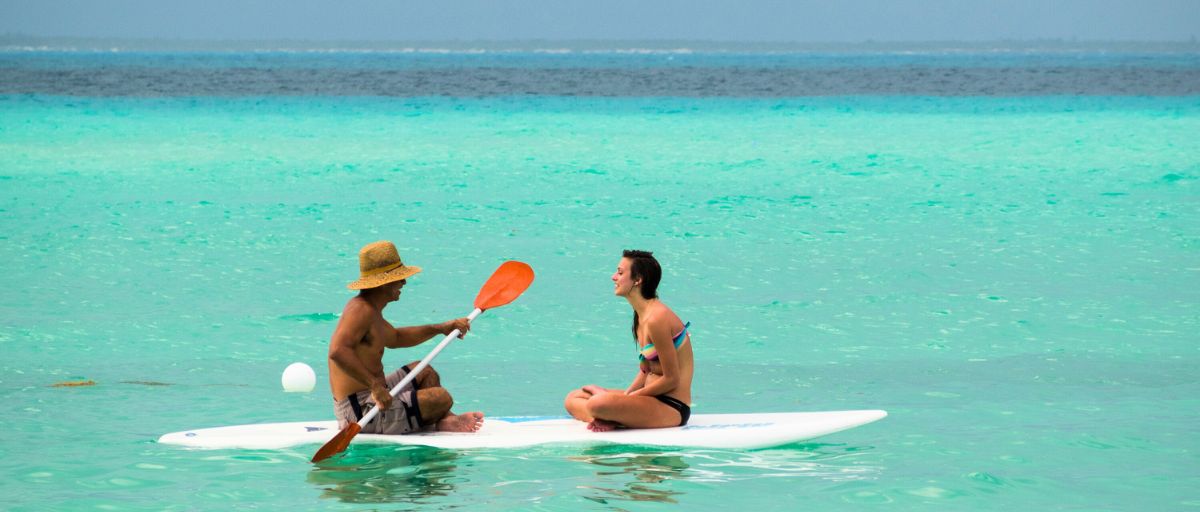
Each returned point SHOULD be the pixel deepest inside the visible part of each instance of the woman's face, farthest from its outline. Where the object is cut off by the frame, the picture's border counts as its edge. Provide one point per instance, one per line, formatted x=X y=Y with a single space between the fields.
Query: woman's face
x=622 y=279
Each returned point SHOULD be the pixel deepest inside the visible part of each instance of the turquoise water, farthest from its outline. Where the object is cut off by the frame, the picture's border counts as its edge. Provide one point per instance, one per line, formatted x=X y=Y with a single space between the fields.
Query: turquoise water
x=1016 y=280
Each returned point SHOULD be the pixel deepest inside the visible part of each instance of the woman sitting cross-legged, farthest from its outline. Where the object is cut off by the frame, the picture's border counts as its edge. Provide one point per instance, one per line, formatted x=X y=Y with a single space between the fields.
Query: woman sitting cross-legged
x=661 y=391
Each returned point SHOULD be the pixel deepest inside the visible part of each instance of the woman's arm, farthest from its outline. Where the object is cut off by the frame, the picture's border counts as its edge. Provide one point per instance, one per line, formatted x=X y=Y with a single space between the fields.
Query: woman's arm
x=639 y=381
x=668 y=359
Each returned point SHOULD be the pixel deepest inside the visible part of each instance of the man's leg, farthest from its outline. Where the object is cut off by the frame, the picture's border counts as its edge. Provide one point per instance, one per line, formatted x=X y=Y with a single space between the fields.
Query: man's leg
x=435 y=402
x=428 y=378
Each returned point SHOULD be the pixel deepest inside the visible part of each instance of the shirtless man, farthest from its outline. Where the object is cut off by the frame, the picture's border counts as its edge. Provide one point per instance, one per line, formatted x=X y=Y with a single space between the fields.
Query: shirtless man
x=356 y=375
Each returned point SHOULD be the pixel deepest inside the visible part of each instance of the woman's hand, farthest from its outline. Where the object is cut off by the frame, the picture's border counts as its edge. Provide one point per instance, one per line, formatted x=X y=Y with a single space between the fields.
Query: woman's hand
x=594 y=389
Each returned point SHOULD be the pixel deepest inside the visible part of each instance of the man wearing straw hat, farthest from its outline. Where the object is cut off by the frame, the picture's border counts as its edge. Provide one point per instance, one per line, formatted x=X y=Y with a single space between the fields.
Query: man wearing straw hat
x=356 y=356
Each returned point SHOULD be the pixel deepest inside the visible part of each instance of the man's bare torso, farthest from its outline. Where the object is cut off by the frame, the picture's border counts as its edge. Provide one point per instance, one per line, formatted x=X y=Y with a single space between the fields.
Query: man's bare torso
x=369 y=349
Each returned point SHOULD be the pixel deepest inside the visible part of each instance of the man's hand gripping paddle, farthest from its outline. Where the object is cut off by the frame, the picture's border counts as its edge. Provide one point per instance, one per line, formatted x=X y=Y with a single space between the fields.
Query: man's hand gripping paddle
x=506 y=284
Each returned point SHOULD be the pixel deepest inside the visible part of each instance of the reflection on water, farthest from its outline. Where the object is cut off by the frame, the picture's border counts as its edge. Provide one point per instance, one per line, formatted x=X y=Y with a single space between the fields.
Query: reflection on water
x=386 y=474
x=420 y=477
x=829 y=462
x=629 y=474
x=647 y=474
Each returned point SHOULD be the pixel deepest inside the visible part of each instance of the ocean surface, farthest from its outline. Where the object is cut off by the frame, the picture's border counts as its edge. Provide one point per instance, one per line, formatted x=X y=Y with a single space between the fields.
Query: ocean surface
x=1000 y=248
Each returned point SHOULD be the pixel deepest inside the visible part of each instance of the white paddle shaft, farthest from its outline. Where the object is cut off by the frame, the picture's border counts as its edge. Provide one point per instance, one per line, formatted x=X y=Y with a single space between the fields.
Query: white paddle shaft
x=420 y=366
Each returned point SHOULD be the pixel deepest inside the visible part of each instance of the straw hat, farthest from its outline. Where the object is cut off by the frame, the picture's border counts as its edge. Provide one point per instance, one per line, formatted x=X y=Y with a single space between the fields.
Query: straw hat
x=379 y=264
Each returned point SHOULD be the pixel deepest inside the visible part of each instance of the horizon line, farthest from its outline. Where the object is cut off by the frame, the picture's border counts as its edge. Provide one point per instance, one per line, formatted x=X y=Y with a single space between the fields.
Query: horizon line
x=1056 y=40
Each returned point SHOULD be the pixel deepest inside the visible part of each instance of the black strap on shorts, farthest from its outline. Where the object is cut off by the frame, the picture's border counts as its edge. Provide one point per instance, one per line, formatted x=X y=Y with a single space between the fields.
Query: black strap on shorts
x=358 y=410
x=413 y=411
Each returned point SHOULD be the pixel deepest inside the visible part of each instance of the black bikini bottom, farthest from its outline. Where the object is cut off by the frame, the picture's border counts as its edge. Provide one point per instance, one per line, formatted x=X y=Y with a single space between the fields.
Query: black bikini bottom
x=685 y=411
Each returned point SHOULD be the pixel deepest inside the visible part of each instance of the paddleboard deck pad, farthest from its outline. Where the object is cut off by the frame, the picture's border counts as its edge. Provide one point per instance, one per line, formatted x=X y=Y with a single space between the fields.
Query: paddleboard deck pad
x=736 y=431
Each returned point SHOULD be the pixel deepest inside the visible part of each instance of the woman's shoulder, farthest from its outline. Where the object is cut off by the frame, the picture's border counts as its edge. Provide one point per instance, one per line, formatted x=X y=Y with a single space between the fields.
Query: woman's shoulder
x=661 y=314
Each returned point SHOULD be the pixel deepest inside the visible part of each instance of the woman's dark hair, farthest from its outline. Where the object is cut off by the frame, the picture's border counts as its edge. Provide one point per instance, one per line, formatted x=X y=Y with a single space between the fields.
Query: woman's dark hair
x=642 y=265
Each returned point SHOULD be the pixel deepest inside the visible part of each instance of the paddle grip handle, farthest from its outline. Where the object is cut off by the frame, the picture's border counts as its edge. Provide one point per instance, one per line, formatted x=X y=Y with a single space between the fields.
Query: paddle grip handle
x=420 y=367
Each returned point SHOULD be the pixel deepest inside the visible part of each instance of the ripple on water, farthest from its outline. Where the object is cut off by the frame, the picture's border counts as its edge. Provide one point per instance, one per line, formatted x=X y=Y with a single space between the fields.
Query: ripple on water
x=261 y=456
x=829 y=462
x=934 y=492
x=866 y=498
x=402 y=471
x=121 y=483
x=987 y=478
x=1096 y=445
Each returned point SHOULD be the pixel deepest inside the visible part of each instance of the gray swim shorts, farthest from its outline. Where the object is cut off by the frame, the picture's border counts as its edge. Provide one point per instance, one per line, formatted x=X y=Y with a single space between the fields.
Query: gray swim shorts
x=402 y=417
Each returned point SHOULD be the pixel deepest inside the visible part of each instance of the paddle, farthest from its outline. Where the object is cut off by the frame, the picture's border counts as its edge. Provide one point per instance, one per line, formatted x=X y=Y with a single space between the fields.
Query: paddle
x=506 y=284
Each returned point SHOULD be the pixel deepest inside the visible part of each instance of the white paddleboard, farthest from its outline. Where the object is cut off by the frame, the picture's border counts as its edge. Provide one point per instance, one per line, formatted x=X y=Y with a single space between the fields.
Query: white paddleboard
x=739 y=431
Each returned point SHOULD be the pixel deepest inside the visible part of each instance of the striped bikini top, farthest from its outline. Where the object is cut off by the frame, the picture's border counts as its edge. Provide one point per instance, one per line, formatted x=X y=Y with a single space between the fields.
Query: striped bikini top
x=648 y=353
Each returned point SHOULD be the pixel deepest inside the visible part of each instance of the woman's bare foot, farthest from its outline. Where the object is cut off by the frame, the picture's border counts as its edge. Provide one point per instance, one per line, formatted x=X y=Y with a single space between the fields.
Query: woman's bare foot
x=599 y=425
x=465 y=422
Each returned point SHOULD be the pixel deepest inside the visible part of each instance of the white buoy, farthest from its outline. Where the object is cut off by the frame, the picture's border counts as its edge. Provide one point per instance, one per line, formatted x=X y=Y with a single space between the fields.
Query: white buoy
x=299 y=378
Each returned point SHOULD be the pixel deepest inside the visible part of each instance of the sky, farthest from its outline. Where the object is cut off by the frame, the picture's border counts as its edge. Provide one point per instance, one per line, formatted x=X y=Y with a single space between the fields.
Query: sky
x=695 y=20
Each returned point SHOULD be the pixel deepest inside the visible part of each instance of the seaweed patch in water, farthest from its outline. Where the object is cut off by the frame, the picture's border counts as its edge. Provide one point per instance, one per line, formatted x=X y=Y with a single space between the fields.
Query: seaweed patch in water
x=73 y=384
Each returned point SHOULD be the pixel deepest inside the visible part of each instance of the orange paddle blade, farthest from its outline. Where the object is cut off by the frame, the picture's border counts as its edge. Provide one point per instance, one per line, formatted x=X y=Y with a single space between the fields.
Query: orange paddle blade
x=506 y=284
x=338 y=444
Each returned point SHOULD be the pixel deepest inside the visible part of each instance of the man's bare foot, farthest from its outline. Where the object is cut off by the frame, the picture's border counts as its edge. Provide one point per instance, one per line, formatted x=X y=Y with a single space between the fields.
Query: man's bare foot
x=465 y=422
x=599 y=425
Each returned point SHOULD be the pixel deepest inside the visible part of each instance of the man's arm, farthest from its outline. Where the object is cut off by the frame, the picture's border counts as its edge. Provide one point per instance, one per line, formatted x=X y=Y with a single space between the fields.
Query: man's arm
x=351 y=329
x=418 y=334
